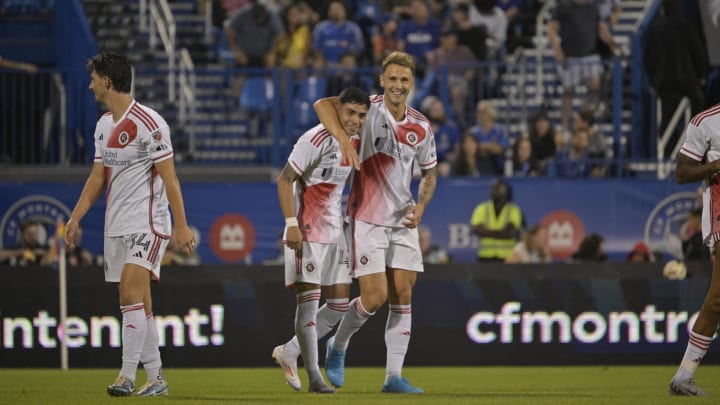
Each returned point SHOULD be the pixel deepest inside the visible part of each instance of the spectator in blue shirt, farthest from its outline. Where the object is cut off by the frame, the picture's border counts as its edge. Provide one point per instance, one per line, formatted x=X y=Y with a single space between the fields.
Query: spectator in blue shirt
x=492 y=139
x=447 y=134
x=419 y=35
x=336 y=35
x=573 y=162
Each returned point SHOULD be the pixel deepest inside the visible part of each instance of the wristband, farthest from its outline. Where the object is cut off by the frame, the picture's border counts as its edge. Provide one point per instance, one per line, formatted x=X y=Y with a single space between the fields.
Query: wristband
x=290 y=222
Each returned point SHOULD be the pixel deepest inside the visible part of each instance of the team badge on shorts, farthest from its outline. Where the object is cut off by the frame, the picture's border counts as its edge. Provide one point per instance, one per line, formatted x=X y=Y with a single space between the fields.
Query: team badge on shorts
x=364 y=260
x=310 y=267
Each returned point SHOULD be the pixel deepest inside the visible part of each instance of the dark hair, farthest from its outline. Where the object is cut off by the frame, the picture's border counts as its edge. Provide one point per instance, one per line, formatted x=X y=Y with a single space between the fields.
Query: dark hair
x=113 y=66
x=587 y=116
x=354 y=95
x=589 y=249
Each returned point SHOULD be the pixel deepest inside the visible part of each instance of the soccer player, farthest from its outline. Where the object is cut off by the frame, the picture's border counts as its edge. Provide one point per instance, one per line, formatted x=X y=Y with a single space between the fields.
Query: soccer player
x=699 y=159
x=386 y=251
x=316 y=251
x=133 y=161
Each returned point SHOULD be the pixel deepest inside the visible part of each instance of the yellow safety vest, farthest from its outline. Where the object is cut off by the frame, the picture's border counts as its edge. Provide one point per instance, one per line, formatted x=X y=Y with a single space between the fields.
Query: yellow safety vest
x=484 y=213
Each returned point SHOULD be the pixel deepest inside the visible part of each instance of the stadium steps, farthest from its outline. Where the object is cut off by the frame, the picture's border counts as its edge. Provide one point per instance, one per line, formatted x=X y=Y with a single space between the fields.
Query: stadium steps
x=548 y=94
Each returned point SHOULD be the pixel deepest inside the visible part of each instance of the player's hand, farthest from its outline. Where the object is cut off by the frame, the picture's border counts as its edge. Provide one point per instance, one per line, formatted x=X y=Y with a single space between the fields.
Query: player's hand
x=350 y=155
x=413 y=216
x=185 y=238
x=293 y=238
x=71 y=233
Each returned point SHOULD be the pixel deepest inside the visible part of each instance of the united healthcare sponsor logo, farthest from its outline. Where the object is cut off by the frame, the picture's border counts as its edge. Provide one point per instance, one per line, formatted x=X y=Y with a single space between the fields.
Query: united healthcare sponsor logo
x=39 y=208
x=662 y=228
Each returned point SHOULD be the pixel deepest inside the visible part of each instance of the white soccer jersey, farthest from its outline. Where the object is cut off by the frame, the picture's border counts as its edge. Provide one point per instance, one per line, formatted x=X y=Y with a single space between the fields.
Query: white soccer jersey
x=316 y=157
x=380 y=192
x=702 y=143
x=135 y=194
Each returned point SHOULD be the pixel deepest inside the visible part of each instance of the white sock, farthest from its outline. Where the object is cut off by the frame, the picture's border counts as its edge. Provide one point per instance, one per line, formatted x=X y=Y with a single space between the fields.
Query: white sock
x=397 y=338
x=305 y=321
x=327 y=317
x=150 y=356
x=697 y=347
x=350 y=323
x=133 y=336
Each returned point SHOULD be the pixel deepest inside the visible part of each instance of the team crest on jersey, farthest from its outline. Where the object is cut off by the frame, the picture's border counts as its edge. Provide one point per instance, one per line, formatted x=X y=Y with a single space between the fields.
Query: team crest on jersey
x=156 y=135
x=124 y=138
x=310 y=267
x=412 y=138
x=41 y=209
x=662 y=226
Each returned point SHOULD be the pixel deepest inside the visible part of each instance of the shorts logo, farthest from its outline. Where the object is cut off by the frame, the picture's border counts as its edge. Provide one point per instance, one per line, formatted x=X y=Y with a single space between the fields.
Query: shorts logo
x=42 y=209
x=310 y=267
x=662 y=226
x=364 y=260
x=124 y=138
x=412 y=138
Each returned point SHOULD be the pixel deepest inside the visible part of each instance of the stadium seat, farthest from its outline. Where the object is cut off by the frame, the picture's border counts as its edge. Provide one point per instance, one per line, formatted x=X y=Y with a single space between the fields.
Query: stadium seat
x=257 y=95
x=312 y=89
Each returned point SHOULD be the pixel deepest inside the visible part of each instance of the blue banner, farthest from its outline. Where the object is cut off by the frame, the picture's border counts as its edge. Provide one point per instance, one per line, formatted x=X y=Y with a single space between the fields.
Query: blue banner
x=242 y=223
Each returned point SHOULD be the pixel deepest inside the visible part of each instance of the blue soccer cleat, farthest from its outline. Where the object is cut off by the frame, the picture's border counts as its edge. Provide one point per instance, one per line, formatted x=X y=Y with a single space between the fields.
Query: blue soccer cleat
x=335 y=364
x=399 y=385
x=153 y=389
x=122 y=387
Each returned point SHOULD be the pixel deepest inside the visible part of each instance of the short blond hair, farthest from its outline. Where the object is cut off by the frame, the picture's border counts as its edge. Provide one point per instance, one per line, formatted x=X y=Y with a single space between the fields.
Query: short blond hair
x=399 y=58
x=489 y=106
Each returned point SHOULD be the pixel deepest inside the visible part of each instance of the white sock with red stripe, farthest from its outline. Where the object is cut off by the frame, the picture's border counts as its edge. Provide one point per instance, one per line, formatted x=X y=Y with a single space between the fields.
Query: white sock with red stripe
x=133 y=336
x=150 y=356
x=397 y=338
x=697 y=347
x=351 y=322
x=305 y=322
x=327 y=317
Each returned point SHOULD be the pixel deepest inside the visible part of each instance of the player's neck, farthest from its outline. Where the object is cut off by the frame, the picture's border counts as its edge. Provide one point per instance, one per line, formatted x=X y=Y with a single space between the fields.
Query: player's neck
x=396 y=110
x=117 y=104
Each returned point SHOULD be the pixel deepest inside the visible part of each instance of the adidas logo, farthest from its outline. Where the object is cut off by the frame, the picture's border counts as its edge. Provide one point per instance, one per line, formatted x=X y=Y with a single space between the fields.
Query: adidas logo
x=138 y=254
x=101 y=137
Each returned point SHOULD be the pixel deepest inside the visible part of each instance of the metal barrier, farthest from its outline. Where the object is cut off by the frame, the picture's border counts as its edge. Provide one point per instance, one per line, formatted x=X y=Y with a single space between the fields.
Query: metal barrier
x=162 y=23
x=33 y=128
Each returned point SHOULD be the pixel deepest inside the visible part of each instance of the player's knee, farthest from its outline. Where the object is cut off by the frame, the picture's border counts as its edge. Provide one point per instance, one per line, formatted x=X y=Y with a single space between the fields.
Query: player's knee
x=373 y=301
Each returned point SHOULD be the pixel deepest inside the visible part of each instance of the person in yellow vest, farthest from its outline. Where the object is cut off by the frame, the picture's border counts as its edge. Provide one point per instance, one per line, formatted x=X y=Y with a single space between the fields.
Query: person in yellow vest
x=497 y=222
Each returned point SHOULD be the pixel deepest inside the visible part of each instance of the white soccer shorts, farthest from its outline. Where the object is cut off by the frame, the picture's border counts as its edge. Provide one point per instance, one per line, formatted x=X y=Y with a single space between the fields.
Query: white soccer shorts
x=144 y=249
x=324 y=264
x=377 y=247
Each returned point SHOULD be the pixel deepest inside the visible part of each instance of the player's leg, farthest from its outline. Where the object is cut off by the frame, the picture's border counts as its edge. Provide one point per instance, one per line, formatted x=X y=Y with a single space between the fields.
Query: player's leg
x=156 y=384
x=406 y=260
x=308 y=297
x=701 y=337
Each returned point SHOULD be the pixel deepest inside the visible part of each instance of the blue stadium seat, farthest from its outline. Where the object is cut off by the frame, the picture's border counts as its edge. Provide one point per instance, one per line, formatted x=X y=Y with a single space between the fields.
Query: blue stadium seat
x=312 y=89
x=257 y=95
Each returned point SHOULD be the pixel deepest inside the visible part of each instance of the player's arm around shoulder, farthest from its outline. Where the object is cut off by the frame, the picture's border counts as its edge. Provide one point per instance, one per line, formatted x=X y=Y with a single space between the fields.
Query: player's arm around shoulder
x=326 y=109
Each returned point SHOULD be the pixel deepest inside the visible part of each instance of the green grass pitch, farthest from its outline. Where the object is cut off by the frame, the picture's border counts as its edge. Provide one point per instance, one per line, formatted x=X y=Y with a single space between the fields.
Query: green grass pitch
x=442 y=385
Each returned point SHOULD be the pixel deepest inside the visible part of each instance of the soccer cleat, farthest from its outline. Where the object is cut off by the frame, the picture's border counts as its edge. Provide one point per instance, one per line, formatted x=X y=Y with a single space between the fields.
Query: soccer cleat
x=122 y=387
x=289 y=367
x=685 y=387
x=399 y=385
x=320 y=387
x=335 y=364
x=153 y=389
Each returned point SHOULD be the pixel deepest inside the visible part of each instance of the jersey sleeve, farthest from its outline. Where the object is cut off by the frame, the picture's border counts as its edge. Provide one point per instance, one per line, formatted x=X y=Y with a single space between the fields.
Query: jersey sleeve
x=98 y=145
x=696 y=142
x=158 y=144
x=427 y=153
x=303 y=155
